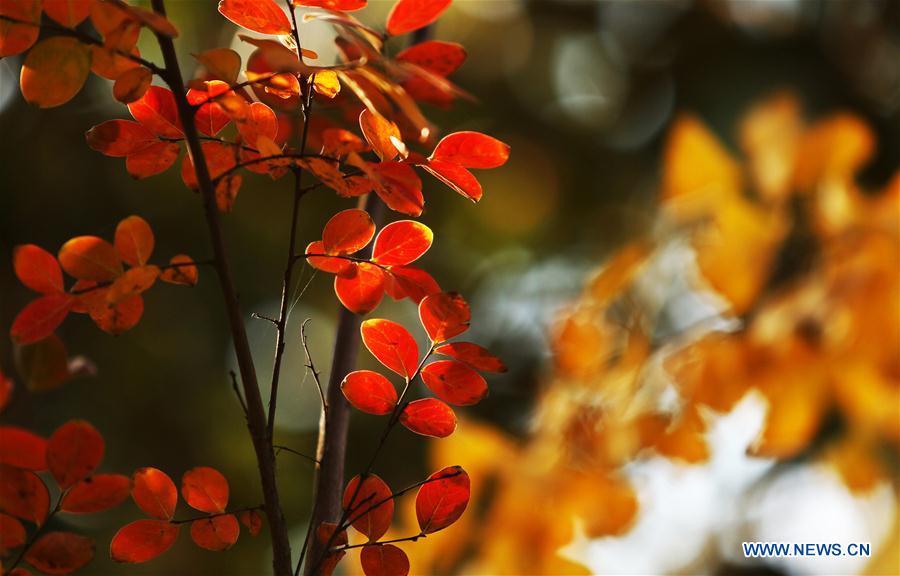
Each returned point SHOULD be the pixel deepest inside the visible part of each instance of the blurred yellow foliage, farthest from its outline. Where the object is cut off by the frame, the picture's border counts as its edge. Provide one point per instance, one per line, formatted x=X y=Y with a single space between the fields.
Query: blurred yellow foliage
x=816 y=333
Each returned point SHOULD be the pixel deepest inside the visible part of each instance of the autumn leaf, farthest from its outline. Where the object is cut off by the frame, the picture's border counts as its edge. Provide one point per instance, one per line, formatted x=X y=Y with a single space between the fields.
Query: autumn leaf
x=205 y=489
x=369 y=392
x=90 y=258
x=40 y=318
x=17 y=38
x=252 y=520
x=444 y=316
x=471 y=150
x=23 y=494
x=392 y=345
x=369 y=505
x=120 y=138
x=429 y=417
x=132 y=84
x=54 y=71
x=180 y=271
x=60 y=552
x=12 y=534
x=382 y=135
x=37 y=269
x=409 y=15
x=157 y=112
x=347 y=232
x=134 y=241
x=22 y=448
x=472 y=354
x=74 y=451
x=263 y=16
x=410 y=282
x=325 y=534
x=216 y=533
x=454 y=382
x=221 y=63
x=43 y=365
x=96 y=494
x=384 y=560
x=142 y=540
x=401 y=243
x=154 y=493
x=443 y=499
x=361 y=289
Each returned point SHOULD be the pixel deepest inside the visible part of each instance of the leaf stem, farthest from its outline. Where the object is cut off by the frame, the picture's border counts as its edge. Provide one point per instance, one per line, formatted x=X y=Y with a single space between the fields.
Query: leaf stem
x=217 y=514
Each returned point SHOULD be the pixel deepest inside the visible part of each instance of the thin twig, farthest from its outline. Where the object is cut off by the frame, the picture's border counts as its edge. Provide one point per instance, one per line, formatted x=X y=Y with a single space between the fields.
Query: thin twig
x=261 y=159
x=379 y=543
x=312 y=367
x=237 y=392
x=395 y=495
x=281 y=448
x=106 y=283
x=217 y=514
x=37 y=532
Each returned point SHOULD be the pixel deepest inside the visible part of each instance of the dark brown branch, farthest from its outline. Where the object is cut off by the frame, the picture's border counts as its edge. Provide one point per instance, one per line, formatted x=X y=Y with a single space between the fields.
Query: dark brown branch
x=256 y=416
x=85 y=39
x=395 y=495
x=237 y=392
x=34 y=535
x=312 y=367
x=217 y=514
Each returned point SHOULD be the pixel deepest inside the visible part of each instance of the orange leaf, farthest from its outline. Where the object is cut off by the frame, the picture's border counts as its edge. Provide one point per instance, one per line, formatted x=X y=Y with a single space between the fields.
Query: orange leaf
x=152 y=160
x=401 y=243
x=217 y=533
x=120 y=316
x=324 y=263
x=54 y=71
x=252 y=520
x=398 y=185
x=444 y=315
x=12 y=534
x=119 y=137
x=131 y=85
x=37 y=269
x=157 y=112
x=339 y=5
x=134 y=281
x=369 y=506
x=143 y=540
x=472 y=354
x=347 y=232
x=23 y=494
x=385 y=560
x=205 y=489
x=441 y=58
x=60 y=552
x=210 y=117
x=22 y=448
x=134 y=240
x=382 y=134
x=263 y=16
x=180 y=271
x=471 y=150
x=219 y=159
x=392 y=345
x=96 y=494
x=459 y=179
x=410 y=282
x=409 y=15
x=154 y=493
x=429 y=417
x=67 y=12
x=73 y=451
x=441 y=502
x=454 y=382
x=16 y=38
x=90 y=258
x=361 y=290
x=369 y=392
x=40 y=318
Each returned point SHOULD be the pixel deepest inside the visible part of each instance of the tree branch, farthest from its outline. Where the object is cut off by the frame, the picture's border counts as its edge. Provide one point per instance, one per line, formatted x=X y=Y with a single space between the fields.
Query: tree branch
x=217 y=514
x=256 y=417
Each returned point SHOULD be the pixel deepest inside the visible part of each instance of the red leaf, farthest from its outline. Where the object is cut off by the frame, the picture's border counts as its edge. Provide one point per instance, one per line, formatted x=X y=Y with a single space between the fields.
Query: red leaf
x=184 y=275
x=60 y=552
x=398 y=185
x=37 y=269
x=205 y=489
x=429 y=417
x=441 y=502
x=392 y=345
x=474 y=355
x=372 y=508
x=119 y=138
x=143 y=540
x=252 y=520
x=152 y=160
x=339 y=5
x=90 y=258
x=409 y=15
x=324 y=263
x=73 y=452
x=44 y=365
x=69 y=13
x=454 y=382
x=382 y=134
x=134 y=240
x=325 y=533
x=384 y=560
x=210 y=117
x=441 y=58
x=154 y=493
x=410 y=282
x=456 y=177
x=22 y=448
x=217 y=533
x=347 y=232
x=12 y=534
x=361 y=289
x=219 y=159
x=157 y=112
x=444 y=315
x=16 y=38
x=23 y=494
x=6 y=390
x=40 y=318
x=471 y=150
x=401 y=243
x=263 y=16
x=369 y=392
x=96 y=494
x=119 y=317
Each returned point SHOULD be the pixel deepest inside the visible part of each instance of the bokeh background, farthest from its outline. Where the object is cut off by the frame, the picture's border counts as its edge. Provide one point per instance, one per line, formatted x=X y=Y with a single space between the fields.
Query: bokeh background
x=585 y=93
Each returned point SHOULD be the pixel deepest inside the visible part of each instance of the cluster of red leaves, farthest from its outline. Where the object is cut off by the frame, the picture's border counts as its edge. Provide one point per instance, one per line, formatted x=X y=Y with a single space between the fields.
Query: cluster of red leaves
x=368 y=505
x=204 y=489
x=70 y=456
x=104 y=288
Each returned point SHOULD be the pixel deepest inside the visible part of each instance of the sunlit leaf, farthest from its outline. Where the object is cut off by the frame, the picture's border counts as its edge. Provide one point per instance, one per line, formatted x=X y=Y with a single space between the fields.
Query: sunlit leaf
x=429 y=417
x=120 y=138
x=210 y=117
x=409 y=15
x=326 y=83
x=216 y=533
x=263 y=16
x=441 y=501
x=444 y=315
x=456 y=177
x=369 y=392
x=441 y=58
x=370 y=505
x=221 y=63
x=325 y=534
x=382 y=134
x=154 y=493
x=37 y=269
x=96 y=494
x=471 y=150
x=121 y=316
x=360 y=290
x=22 y=448
x=410 y=282
x=90 y=258
x=347 y=232
x=454 y=382
x=401 y=243
x=325 y=263
x=134 y=240
x=385 y=560
x=181 y=271
x=205 y=489
x=392 y=345
x=472 y=354
x=157 y=112
x=341 y=5
x=143 y=540
x=60 y=552
x=54 y=71
x=23 y=494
